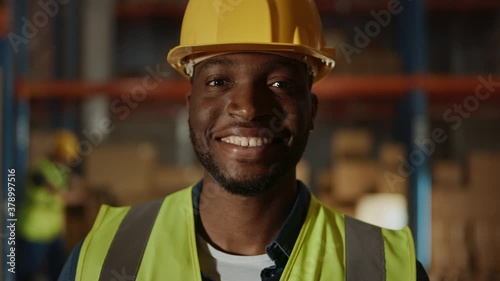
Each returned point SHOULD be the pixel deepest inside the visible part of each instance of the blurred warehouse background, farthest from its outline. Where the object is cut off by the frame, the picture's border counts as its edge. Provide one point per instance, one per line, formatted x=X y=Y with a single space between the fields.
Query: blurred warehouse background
x=408 y=129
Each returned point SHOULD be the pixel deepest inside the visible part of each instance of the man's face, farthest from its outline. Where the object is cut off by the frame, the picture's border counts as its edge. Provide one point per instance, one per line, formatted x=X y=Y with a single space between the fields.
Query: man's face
x=249 y=117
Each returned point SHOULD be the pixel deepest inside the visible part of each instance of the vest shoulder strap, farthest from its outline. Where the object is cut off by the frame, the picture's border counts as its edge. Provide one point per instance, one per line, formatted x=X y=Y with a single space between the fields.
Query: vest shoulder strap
x=132 y=234
x=365 y=257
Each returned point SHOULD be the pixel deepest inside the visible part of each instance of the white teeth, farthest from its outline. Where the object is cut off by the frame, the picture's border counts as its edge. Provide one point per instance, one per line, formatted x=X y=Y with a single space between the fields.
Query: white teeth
x=259 y=142
x=245 y=141
x=252 y=142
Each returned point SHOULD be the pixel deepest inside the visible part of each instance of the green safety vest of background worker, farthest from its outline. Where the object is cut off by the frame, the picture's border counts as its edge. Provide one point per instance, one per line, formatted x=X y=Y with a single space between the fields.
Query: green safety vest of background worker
x=249 y=218
x=41 y=220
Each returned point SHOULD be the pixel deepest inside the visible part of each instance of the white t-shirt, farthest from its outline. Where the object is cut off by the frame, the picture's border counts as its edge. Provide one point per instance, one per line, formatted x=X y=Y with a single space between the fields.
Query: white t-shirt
x=226 y=267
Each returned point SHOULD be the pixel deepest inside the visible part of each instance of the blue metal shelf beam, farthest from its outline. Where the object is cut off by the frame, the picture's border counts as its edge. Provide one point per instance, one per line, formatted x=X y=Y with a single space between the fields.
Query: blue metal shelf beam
x=414 y=130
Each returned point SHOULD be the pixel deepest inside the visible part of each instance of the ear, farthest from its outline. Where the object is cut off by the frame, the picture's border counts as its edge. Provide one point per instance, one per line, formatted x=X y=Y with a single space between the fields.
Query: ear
x=188 y=99
x=314 y=109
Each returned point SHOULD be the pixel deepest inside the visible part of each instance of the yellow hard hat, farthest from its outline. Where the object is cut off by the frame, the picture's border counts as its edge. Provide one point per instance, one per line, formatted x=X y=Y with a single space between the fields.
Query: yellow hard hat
x=66 y=145
x=276 y=26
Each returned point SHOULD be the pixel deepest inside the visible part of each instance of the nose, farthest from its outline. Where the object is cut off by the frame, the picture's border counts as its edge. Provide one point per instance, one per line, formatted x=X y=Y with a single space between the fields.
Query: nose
x=250 y=101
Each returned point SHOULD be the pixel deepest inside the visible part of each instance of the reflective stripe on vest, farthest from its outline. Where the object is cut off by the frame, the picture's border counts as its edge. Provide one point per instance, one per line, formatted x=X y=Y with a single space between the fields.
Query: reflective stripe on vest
x=331 y=246
x=364 y=250
x=132 y=234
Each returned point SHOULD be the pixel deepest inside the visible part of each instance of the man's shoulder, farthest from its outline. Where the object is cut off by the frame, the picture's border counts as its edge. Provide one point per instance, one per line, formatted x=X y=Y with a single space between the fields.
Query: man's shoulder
x=182 y=193
x=329 y=215
x=333 y=215
x=119 y=212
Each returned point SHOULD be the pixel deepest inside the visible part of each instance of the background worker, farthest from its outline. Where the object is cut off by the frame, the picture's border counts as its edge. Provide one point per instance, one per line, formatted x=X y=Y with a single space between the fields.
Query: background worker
x=250 y=114
x=41 y=219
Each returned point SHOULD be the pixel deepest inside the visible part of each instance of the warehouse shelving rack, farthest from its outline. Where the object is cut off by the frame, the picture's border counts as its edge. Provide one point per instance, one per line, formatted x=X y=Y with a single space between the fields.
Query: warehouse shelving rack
x=415 y=88
x=332 y=88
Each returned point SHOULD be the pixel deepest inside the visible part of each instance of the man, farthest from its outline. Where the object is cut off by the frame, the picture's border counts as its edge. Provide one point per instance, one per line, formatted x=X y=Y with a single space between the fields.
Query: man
x=251 y=109
x=42 y=212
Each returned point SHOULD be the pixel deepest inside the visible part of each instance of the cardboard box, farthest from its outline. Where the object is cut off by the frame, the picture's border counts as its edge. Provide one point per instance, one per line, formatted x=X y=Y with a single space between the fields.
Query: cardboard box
x=352 y=178
x=484 y=173
x=487 y=244
x=441 y=251
x=390 y=155
x=447 y=174
x=460 y=258
x=351 y=143
x=484 y=177
x=126 y=169
x=484 y=206
x=451 y=250
x=451 y=204
x=391 y=181
x=169 y=179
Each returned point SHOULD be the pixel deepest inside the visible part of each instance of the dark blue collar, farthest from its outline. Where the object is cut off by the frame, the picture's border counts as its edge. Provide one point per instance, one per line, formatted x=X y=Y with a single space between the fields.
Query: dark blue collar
x=281 y=247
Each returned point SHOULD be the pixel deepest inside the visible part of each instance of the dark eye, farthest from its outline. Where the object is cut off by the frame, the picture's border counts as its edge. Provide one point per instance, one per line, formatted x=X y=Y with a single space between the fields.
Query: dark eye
x=217 y=83
x=283 y=84
x=280 y=84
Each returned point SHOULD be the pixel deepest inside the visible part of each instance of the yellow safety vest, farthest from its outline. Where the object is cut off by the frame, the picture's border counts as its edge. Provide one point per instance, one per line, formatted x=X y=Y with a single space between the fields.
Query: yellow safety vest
x=330 y=246
x=41 y=215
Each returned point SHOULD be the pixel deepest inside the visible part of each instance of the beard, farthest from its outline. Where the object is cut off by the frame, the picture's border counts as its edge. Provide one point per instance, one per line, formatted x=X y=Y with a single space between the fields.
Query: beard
x=248 y=185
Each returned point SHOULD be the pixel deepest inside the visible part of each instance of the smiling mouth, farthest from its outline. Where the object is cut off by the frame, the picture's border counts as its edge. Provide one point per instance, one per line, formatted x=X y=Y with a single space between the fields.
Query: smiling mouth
x=250 y=141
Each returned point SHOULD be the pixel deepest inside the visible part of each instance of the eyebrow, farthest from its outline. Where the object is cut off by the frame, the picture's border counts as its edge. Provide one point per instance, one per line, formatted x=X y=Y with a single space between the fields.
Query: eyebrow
x=216 y=62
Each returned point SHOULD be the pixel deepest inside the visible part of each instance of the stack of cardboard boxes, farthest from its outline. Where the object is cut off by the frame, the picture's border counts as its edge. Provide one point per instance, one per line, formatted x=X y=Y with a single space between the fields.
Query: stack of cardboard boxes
x=450 y=218
x=352 y=173
x=465 y=213
x=169 y=179
x=355 y=173
x=353 y=59
x=125 y=170
x=392 y=176
x=484 y=179
x=465 y=226
x=132 y=175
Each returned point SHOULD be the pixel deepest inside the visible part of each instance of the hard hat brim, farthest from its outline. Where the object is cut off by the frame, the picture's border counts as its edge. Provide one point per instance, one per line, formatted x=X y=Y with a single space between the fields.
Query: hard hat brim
x=179 y=56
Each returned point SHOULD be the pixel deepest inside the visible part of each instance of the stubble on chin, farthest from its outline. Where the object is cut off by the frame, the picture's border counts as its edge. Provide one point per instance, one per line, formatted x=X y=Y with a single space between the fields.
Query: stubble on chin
x=241 y=185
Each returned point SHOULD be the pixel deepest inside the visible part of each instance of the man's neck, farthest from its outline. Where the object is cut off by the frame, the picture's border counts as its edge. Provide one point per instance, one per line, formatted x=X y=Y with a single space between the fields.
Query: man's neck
x=244 y=225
